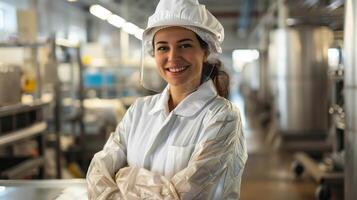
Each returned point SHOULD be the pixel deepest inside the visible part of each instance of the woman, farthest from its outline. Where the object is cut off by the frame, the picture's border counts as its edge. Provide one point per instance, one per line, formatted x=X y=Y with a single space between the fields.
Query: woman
x=186 y=142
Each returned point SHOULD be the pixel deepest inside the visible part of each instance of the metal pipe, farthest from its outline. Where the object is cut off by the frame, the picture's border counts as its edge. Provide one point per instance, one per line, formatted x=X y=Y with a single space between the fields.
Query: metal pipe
x=264 y=20
x=350 y=46
x=81 y=97
x=282 y=14
x=244 y=17
x=36 y=65
x=57 y=110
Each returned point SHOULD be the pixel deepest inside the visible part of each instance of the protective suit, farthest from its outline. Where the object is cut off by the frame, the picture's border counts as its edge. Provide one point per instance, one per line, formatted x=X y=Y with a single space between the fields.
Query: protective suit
x=196 y=151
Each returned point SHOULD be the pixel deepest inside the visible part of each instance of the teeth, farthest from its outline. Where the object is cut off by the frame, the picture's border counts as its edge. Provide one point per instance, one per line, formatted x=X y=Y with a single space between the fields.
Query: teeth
x=176 y=69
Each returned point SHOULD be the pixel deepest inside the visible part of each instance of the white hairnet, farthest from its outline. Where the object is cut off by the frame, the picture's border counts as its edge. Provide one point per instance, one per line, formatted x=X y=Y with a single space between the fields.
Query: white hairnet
x=188 y=14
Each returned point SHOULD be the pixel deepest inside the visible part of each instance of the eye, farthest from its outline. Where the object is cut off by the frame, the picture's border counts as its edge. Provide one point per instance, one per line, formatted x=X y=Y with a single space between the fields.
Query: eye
x=184 y=46
x=162 y=48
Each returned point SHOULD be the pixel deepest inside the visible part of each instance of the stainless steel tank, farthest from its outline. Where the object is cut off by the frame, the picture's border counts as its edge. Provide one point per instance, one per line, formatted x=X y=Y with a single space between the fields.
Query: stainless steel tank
x=350 y=87
x=10 y=84
x=298 y=71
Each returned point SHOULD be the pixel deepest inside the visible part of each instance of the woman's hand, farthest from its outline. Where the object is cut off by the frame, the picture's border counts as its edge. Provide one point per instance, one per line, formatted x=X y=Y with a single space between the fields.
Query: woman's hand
x=139 y=183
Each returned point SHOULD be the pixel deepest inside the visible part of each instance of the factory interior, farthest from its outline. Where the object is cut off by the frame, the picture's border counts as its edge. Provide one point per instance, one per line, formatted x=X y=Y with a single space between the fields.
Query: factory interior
x=69 y=70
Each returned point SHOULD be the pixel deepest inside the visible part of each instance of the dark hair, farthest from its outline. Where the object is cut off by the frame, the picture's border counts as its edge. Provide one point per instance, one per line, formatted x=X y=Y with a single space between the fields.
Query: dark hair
x=214 y=69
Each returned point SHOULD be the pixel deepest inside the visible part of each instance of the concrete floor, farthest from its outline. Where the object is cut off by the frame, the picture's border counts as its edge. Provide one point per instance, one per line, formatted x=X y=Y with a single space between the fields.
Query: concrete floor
x=268 y=173
x=268 y=176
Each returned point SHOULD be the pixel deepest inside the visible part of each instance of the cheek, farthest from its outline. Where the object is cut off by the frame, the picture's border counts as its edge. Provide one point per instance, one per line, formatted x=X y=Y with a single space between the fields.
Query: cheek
x=158 y=61
x=195 y=56
x=196 y=60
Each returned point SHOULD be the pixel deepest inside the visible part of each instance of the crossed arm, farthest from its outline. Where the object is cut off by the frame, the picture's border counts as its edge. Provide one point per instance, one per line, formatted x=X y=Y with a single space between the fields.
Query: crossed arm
x=215 y=160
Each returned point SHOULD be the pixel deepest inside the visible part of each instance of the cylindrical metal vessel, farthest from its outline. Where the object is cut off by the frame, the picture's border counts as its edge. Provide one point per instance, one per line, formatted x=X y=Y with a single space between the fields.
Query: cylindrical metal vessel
x=350 y=86
x=298 y=71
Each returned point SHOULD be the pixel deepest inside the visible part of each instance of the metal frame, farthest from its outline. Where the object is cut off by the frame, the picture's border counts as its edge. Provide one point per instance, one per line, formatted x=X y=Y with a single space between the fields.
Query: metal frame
x=37 y=131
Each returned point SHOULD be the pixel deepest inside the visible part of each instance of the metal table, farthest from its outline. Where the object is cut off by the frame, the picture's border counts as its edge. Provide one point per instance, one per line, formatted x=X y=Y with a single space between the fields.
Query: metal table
x=60 y=189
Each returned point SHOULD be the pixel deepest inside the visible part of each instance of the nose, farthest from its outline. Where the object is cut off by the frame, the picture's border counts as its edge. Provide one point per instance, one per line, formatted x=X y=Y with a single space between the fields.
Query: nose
x=173 y=54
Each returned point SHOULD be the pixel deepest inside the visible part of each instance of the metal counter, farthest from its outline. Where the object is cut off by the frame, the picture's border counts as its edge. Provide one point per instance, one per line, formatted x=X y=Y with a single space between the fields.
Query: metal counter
x=60 y=189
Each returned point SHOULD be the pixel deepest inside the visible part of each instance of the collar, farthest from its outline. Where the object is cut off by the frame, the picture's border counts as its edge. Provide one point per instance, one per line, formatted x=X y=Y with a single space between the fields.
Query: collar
x=192 y=104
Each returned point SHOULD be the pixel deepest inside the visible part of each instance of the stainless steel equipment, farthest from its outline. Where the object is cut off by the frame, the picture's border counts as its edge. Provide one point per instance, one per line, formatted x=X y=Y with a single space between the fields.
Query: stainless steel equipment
x=43 y=189
x=298 y=71
x=10 y=84
x=350 y=99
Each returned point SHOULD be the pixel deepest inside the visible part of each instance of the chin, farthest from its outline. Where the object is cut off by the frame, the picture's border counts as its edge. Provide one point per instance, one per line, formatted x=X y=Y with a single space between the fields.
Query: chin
x=183 y=84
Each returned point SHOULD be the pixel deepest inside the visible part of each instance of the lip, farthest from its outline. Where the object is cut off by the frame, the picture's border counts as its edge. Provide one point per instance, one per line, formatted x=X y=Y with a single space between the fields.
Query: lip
x=177 y=70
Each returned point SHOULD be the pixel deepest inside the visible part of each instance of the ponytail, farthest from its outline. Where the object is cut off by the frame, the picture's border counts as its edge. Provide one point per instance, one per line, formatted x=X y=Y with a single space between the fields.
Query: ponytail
x=220 y=78
x=213 y=69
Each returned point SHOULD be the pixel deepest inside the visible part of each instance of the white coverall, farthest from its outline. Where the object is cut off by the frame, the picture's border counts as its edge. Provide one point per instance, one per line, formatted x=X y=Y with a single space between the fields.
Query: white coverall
x=197 y=151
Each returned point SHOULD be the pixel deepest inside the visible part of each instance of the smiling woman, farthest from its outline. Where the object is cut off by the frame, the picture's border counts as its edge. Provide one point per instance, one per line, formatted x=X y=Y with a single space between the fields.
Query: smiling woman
x=179 y=59
x=187 y=141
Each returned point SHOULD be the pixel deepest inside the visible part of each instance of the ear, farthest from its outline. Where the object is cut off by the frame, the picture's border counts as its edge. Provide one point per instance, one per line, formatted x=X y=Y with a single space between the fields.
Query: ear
x=205 y=56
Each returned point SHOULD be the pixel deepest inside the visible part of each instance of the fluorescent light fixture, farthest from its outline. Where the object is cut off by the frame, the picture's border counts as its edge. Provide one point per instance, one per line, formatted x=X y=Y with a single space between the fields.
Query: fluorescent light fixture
x=116 y=21
x=246 y=55
x=71 y=0
x=100 y=12
x=139 y=34
x=242 y=57
x=130 y=28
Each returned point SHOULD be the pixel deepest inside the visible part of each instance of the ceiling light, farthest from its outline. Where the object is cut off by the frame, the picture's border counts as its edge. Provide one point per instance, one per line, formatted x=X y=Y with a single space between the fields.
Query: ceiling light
x=116 y=21
x=139 y=34
x=100 y=12
x=130 y=28
x=246 y=55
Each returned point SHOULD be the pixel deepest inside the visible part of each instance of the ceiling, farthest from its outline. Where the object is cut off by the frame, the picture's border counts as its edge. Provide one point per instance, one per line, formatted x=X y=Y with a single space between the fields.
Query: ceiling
x=239 y=17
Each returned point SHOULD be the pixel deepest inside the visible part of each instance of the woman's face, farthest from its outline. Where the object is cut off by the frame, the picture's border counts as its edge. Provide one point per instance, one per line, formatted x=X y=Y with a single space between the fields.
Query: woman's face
x=179 y=57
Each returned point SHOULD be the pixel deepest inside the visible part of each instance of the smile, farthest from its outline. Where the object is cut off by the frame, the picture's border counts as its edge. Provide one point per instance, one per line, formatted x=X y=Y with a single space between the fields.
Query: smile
x=177 y=69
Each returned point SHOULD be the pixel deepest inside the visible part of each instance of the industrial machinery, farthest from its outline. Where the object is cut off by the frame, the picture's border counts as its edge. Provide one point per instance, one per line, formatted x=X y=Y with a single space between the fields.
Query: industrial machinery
x=22 y=123
x=298 y=60
x=328 y=172
x=298 y=73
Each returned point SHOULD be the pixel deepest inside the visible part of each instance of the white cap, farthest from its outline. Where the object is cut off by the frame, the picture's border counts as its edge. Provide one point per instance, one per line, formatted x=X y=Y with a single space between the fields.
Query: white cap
x=188 y=14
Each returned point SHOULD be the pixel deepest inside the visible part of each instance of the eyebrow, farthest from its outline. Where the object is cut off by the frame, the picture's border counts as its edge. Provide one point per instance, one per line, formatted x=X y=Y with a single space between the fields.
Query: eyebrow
x=182 y=40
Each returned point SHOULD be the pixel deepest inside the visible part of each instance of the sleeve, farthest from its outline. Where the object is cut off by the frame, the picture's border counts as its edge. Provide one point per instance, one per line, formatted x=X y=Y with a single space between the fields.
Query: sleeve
x=213 y=172
x=101 y=172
